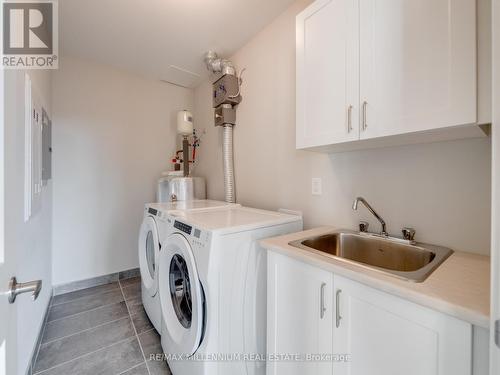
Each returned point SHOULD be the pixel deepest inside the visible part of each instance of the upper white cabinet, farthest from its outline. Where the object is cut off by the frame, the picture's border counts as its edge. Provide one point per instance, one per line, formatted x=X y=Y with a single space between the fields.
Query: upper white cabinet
x=382 y=72
x=386 y=335
x=328 y=73
x=418 y=65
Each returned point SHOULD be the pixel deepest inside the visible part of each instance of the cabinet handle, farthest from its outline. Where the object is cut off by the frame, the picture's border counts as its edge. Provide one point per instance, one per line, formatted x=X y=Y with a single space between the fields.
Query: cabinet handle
x=337 y=308
x=349 y=119
x=365 y=125
x=322 y=307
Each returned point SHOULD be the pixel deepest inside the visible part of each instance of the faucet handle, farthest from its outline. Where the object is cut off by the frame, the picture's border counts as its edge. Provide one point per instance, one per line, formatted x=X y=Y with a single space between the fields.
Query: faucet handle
x=363 y=226
x=408 y=233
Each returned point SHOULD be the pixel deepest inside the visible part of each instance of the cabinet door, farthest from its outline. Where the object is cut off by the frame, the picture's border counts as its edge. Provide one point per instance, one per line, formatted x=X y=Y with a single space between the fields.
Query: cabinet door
x=417 y=65
x=299 y=317
x=386 y=335
x=327 y=73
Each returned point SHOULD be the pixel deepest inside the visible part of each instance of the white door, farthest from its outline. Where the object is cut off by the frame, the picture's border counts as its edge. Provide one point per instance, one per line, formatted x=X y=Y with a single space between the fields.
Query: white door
x=417 y=65
x=299 y=317
x=495 y=253
x=8 y=323
x=495 y=225
x=385 y=335
x=327 y=73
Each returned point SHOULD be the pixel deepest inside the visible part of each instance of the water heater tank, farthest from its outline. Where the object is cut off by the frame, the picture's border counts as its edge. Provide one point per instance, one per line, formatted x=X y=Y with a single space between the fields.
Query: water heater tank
x=175 y=187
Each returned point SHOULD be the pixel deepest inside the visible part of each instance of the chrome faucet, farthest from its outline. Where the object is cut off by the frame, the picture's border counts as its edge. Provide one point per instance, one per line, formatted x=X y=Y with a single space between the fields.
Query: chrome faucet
x=373 y=212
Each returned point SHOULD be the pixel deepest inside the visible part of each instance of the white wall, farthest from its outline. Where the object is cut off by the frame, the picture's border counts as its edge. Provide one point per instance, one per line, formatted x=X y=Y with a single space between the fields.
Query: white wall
x=113 y=134
x=30 y=241
x=440 y=189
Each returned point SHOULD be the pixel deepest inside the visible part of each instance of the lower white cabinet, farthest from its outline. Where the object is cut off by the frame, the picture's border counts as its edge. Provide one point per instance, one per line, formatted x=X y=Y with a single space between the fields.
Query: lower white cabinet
x=299 y=315
x=313 y=312
x=387 y=335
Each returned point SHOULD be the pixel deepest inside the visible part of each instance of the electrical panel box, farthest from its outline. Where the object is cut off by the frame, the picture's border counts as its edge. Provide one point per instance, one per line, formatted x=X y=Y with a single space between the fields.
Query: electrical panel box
x=46 y=147
x=226 y=90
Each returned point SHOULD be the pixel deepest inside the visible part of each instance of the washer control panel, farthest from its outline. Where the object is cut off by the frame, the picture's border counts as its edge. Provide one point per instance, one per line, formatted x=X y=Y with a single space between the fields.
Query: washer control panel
x=198 y=237
x=154 y=212
x=183 y=227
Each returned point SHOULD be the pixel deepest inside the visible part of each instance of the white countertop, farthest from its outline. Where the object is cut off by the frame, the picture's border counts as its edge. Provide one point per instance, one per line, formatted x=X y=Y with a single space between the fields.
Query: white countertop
x=459 y=287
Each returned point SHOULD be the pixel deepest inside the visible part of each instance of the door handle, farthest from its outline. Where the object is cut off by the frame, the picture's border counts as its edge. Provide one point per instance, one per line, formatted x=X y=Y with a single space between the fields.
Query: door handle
x=365 y=125
x=349 y=119
x=322 y=308
x=16 y=288
x=337 y=308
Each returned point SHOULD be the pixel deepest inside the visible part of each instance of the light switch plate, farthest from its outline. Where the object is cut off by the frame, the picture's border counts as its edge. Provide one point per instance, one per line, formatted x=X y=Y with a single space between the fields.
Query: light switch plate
x=316 y=186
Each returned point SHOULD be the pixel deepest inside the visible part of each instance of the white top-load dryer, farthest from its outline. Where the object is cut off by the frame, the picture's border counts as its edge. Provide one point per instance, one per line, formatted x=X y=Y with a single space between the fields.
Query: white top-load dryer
x=212 y=286
x=154 y=230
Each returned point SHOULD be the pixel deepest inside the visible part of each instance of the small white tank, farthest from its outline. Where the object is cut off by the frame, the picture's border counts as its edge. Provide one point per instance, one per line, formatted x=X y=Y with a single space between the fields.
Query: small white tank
x=184 y=123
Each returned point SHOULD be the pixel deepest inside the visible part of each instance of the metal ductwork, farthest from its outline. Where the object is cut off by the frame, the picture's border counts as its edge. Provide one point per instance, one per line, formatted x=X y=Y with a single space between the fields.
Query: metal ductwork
x=226 y=96
x=216 y=65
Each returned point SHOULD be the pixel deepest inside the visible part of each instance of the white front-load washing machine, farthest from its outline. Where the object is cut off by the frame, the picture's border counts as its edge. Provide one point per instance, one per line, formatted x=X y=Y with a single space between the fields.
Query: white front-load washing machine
x=212 y=287
x=154 y=230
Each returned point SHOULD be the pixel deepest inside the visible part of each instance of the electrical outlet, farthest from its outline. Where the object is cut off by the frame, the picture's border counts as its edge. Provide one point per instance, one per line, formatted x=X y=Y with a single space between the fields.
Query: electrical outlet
x=316 y=186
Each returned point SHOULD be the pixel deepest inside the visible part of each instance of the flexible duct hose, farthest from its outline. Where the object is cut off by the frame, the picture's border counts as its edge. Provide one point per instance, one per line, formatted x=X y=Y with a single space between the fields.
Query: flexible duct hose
x=227 y=155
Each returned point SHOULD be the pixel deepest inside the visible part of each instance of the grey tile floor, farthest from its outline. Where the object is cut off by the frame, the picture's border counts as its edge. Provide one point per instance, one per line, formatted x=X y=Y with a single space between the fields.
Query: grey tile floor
x=99 y=331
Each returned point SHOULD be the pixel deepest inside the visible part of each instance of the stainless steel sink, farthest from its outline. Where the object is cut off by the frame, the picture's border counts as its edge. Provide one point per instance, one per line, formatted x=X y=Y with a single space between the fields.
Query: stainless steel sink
x=405 y=259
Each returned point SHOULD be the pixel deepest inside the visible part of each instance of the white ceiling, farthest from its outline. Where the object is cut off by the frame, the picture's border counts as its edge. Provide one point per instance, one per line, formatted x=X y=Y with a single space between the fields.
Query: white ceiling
x=161 y=39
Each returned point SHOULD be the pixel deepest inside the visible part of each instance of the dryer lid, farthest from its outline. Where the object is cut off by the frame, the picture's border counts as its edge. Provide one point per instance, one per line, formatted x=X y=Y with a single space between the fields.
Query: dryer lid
x=181 y=297
x=149 y=254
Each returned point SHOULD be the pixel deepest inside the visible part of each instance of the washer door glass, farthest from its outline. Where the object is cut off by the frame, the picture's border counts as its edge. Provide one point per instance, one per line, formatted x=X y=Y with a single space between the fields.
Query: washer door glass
x=180 y=290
